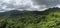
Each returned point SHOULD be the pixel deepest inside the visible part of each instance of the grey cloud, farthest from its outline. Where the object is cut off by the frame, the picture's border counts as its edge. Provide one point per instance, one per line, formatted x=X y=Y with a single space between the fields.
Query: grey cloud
x=11 y=5
x=48 y=3
x=40 y=3
x=18 y=6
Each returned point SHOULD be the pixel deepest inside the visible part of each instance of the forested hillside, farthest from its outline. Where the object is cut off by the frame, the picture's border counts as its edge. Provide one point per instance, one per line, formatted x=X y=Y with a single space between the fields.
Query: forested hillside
x=49 y=18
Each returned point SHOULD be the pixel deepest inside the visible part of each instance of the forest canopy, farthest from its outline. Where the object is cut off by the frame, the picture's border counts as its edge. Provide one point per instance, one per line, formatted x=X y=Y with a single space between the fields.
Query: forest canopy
x=49 y=18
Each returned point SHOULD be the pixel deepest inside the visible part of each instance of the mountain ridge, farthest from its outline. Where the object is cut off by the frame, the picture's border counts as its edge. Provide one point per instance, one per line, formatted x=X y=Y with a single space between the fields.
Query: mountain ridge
x=17 y=12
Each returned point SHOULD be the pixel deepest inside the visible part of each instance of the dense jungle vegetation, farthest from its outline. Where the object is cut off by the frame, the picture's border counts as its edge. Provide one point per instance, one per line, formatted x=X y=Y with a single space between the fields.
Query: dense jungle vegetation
x=49 y=18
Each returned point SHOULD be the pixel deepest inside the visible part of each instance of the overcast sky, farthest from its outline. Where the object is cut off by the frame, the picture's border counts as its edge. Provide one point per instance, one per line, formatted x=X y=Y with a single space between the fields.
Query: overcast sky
x=29 y=5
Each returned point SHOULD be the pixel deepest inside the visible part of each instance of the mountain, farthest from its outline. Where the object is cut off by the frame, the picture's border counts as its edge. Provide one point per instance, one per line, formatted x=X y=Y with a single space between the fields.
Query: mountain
x=52 y=9
x=24 y=13
x=30 y=19
x=11 y=12
x=19 y=13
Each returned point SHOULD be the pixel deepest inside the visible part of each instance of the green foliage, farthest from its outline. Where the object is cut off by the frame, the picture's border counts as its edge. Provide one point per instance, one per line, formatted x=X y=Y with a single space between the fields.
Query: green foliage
x=19 y=21
x=30 y=26
x=52 y=20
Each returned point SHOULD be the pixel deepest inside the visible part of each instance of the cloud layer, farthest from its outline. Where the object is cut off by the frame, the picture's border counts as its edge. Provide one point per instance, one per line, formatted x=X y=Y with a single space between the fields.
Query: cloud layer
x=47 y=3
x=29 y=5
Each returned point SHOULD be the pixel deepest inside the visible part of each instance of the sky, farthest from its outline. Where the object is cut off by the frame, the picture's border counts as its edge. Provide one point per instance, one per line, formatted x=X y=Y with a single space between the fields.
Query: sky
x=29 y=5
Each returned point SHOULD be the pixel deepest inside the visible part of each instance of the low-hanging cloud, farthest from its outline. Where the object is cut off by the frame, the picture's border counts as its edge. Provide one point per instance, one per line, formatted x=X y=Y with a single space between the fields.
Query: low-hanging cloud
x=29 y=5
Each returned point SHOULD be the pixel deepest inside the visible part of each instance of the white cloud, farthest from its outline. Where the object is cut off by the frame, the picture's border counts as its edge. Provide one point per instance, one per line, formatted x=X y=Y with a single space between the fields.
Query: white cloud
x=30 y=5
x=18 y=4
x=57 y=6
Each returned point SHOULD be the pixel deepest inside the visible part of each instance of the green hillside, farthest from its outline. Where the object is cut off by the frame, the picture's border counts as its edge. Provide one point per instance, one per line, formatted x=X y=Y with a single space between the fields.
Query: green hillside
x=34 y=19
x=52 y=20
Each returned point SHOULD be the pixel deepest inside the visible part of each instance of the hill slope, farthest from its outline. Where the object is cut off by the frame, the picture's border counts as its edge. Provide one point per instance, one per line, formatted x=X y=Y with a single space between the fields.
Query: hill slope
x=49 y=18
